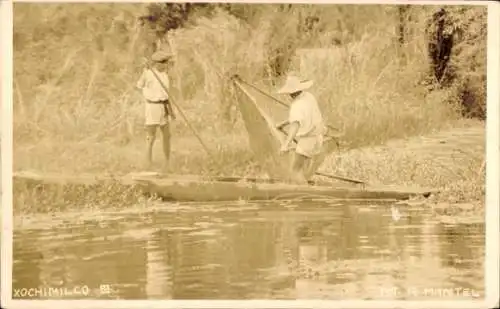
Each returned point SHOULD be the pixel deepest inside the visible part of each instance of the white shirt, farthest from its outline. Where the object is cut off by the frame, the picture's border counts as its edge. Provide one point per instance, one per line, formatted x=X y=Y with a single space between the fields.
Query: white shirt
x=305 y=110
x=151 y=88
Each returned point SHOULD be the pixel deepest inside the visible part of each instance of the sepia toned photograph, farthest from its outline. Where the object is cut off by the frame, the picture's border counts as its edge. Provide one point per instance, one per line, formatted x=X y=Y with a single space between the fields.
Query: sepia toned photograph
x=249 y=151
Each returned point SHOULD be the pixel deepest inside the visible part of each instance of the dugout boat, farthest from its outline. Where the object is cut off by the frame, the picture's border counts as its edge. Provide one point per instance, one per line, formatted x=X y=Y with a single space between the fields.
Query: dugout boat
x=193 y=188
x=236 y=188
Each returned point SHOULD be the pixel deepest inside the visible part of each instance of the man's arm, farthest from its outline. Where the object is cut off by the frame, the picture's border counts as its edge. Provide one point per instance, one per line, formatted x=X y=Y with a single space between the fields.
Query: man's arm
x=165 y=80
x=282 y=124
x=294 y=120
x=171 y=110
x=140 y=83
x=294 y=128
x=166 y=83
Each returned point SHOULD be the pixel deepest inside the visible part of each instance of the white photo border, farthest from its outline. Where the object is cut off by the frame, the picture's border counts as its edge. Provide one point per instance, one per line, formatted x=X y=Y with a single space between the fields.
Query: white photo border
x=492 y=185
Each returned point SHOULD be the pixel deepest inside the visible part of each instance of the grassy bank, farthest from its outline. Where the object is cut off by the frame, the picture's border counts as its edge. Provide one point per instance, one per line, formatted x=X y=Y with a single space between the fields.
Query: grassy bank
x=76 y=111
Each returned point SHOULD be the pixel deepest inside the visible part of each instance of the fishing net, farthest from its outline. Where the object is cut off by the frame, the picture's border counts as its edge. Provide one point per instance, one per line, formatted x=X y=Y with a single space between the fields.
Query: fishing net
x=265 y=140
x=260 y=113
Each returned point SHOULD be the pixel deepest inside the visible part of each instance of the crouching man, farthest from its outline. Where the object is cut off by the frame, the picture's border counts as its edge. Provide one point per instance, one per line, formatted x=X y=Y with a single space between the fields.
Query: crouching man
x=306 y=127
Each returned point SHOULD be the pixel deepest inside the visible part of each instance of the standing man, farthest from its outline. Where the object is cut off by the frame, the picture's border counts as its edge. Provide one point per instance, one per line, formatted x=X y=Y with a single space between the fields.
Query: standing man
x=157 y=106
x=306 y=127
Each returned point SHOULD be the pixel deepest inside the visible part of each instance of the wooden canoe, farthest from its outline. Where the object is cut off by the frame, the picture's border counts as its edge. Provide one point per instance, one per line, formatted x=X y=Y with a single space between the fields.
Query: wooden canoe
x=198 y=188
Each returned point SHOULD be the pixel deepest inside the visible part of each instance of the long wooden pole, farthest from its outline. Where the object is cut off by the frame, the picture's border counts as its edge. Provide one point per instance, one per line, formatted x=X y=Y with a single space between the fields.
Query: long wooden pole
x=238 y=78
x=182 y=114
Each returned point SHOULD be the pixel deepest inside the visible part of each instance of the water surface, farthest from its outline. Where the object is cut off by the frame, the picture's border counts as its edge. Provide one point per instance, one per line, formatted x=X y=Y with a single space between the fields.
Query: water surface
x=273 y=250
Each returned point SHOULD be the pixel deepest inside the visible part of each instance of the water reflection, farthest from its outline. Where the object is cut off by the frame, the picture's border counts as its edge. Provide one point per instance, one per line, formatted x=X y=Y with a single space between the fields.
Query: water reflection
x=158 y=281
x=318 y=249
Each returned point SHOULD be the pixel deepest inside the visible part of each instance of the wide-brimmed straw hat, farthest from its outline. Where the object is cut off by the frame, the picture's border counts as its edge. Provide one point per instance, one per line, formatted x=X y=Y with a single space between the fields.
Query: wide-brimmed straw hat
x=161 y=56
x=295 y=84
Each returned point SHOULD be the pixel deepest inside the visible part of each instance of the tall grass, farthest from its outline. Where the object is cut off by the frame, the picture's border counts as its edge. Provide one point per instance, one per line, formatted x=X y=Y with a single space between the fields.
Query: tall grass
x=76 y=66
x=367 y=93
